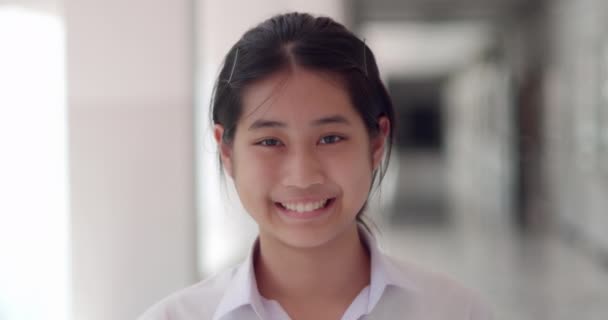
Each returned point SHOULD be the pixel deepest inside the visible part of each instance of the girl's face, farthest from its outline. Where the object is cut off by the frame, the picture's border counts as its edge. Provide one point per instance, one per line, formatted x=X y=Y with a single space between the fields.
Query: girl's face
x=301 y=158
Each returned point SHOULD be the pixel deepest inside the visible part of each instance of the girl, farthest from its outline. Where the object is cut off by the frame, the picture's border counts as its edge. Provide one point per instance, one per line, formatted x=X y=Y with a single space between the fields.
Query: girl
x=303 y=124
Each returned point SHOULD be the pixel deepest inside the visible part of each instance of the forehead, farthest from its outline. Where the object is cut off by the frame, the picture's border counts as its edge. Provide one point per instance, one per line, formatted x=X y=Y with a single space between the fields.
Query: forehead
x=296 y=96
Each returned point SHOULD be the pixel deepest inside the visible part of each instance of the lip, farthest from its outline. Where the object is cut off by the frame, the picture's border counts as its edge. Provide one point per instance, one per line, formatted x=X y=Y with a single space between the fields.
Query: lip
x=294 y=216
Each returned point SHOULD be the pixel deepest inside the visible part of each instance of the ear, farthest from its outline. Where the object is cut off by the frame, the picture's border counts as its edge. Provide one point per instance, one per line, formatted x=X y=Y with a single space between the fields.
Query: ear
x=379 y=142
x=224 y=149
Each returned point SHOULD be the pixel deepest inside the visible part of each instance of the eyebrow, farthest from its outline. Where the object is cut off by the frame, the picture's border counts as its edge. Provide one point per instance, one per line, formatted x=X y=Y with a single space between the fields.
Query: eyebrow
x=262 y=123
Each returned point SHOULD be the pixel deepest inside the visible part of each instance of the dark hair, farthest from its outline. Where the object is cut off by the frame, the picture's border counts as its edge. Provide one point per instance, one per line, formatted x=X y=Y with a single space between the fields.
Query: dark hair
x=314 y=43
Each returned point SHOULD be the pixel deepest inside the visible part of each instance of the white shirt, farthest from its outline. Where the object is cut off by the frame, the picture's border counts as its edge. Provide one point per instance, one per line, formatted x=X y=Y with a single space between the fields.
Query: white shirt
x=396 y=291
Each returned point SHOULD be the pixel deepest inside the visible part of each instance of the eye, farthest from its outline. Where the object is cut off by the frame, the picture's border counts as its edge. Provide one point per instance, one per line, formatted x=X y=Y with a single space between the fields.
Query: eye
x=331 y=139
x=269 y=142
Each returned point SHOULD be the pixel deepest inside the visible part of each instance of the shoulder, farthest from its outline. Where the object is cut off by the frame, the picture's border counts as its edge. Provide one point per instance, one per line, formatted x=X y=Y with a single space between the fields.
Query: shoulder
x=198 y=301
x=437 y=295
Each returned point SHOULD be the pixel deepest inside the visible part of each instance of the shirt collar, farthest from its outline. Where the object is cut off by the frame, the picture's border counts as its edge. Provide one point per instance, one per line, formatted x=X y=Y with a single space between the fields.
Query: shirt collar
x=384 y=273
x=243 y=290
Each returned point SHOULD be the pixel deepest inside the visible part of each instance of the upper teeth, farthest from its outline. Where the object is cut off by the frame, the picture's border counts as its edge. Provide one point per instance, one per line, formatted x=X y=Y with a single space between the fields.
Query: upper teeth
x=305 y=206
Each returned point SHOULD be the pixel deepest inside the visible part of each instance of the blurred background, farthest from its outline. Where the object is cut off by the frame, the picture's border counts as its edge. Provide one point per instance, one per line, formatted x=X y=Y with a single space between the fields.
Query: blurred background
x=110 y=197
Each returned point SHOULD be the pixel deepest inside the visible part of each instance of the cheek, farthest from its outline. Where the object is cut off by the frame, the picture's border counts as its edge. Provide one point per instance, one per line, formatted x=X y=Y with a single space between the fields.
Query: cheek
x=353 y=171
x=254 y=175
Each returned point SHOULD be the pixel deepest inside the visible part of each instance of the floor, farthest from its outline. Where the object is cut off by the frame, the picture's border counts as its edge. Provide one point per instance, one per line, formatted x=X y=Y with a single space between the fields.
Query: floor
x=521 y=275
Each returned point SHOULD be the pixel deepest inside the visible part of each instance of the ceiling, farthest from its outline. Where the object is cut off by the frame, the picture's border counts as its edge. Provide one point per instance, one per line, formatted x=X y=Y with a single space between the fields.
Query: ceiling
x=432 y=38
x=423 y=49
x=366 y=10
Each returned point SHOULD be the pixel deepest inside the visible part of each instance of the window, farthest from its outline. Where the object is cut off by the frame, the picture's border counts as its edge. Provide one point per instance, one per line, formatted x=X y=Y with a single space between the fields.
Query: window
x=34 y=229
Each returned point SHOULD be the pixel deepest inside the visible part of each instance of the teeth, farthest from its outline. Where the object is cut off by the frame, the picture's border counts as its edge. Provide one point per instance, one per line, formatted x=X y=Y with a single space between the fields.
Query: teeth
x=305 y=206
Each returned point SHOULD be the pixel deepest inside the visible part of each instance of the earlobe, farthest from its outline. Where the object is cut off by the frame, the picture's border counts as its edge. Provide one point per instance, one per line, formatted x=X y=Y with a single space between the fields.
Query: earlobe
x=223 y=148
x=379 y=142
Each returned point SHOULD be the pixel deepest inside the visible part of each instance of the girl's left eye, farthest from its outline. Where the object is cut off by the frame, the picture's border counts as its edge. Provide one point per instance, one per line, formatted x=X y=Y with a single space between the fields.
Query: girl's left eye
x=331 y=139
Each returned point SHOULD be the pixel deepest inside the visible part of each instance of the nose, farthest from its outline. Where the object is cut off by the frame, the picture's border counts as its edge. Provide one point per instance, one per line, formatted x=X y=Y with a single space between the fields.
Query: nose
x=303 y=169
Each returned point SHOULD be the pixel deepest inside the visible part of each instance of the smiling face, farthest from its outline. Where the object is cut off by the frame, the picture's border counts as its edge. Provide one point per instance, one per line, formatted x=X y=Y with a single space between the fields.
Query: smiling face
x=301 y=158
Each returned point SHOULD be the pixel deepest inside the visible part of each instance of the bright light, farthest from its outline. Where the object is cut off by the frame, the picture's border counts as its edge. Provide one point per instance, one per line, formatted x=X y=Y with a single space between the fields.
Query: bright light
x=34 y=239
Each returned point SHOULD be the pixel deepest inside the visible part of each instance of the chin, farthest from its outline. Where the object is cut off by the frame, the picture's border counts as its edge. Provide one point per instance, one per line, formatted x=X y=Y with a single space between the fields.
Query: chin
x=308 y=238
x=305 y=241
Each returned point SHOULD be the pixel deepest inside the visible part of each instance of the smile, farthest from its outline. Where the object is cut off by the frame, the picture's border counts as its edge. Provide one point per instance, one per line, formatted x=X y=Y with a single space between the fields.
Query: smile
x=305 y=209
x=304 y=206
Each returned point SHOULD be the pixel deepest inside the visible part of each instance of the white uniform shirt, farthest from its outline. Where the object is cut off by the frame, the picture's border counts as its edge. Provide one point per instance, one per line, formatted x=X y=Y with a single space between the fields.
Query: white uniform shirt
x=397 y=291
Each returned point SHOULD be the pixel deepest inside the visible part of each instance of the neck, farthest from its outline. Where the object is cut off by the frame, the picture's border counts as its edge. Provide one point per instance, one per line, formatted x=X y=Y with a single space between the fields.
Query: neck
x=337 y=270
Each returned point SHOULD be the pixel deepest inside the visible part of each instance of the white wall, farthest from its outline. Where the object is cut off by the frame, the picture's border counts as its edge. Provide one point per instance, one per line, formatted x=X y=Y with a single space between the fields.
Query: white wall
x=130 y=95
x=478 y=142
x=576 y=130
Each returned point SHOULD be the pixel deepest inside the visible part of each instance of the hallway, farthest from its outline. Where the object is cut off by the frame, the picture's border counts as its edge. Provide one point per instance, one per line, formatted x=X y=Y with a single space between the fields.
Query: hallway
x=110 y=197
x=524 y=277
